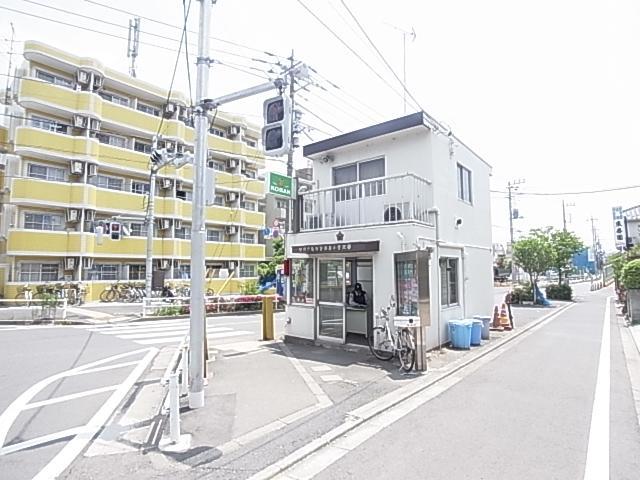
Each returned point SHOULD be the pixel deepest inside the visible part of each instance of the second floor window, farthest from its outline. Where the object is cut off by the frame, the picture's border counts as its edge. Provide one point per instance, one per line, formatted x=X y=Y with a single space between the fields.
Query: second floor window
x=112 y=183
x=38 y=272
x=113 y=140
x=44 y=172
x=464 y=184
x=248 y=270
x=139 y=187
x=360 y=171
x=46 y=124
x=43 y=221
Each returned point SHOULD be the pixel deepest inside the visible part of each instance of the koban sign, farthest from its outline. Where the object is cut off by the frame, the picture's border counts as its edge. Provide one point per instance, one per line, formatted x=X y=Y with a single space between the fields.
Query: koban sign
x=280 y=185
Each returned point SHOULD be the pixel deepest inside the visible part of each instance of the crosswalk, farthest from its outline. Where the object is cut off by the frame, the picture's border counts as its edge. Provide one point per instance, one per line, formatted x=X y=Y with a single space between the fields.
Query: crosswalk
x=163 y=332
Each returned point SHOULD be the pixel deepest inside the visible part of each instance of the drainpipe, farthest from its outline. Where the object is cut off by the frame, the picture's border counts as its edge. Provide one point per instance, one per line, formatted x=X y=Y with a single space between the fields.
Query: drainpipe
x=436 y=213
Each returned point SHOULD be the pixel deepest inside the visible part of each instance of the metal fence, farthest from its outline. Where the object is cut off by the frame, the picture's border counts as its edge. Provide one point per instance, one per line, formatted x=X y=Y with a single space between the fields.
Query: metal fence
x=173 y=306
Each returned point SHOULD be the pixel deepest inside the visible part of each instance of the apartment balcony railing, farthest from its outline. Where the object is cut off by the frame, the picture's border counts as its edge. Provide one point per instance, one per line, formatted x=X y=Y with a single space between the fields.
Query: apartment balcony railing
x=397 y=198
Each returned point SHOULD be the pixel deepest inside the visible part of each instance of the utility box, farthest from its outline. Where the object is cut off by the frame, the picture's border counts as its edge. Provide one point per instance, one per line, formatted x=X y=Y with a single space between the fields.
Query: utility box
x=157 y=280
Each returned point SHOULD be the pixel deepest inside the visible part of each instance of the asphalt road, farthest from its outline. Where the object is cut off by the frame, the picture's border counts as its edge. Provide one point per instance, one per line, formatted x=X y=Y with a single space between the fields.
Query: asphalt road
x=542 y=409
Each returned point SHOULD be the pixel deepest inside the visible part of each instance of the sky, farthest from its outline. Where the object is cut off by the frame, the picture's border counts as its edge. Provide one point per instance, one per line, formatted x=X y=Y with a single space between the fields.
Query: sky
x=546 y=92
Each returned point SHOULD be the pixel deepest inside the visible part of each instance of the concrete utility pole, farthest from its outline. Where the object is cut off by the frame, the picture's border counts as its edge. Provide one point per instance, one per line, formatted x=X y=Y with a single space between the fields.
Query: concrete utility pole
x=512 y=185
x=7 y=96
x=291 y=202
x=594 y=240
x=564 y=213
x=197 y=318
x=149 y=220
x=133 y=42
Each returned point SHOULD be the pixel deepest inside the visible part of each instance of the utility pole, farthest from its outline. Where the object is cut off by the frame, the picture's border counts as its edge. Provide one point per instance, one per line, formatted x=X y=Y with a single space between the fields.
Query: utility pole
x=133 y=43
x=197 y=327
x=7 y=97
x=291 y=202
x=512 y=185
x=150 y=222
x=594 y=240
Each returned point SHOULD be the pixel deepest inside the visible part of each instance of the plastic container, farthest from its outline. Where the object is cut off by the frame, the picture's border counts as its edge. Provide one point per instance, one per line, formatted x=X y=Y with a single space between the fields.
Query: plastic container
x=476 y=332
x=460 y=333
x=486 y=325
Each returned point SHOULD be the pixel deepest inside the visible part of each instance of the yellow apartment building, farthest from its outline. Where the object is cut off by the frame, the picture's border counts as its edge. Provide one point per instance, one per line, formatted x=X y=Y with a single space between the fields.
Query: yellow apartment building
x=76 y=145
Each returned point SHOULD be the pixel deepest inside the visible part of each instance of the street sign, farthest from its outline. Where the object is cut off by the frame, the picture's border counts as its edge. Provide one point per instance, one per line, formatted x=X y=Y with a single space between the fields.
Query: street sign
x=280 y=185
x=619 y=227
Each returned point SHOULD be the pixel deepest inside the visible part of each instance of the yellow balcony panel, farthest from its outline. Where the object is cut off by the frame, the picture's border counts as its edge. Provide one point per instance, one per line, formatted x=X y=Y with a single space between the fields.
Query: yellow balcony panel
x=255 y=219
x=120 y=201
x=51 y=193
x=256 y=187
x=223 y=215
x=126 y=247
x=130 y=117
x=57 y=144
x=176 y=129
x=123 y=158
x=253 y=252
x=25 y=242
x=223 y=250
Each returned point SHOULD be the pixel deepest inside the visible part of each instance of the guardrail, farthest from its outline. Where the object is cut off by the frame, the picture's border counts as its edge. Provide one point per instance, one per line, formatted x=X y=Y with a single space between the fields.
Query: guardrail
x=173 y=306
x=31 y=310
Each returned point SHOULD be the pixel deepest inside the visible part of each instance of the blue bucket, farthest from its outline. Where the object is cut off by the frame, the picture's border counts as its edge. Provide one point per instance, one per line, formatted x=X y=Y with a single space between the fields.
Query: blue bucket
x=460 y=333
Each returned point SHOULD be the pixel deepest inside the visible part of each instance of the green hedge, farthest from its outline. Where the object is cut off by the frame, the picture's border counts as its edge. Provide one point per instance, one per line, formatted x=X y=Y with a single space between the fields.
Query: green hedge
x=522 y=293
x=559 y=292
x=631 y=274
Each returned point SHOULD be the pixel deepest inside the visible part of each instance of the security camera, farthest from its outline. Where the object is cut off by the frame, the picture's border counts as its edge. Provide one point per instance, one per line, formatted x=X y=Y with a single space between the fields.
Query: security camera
x=327 y=158
x=458 y=222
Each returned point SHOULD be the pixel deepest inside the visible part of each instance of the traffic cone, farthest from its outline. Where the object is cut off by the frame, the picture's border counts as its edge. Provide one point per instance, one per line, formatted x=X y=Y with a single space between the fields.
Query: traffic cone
x=496 y=319
x=504 y=318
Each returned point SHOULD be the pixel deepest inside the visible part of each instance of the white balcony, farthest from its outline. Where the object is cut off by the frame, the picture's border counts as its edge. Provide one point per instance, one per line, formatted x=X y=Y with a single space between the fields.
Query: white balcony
x=393 y=199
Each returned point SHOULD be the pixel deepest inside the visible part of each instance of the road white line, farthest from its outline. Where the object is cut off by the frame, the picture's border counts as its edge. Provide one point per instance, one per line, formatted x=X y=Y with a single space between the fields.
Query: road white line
x=131 y=336
x=71 y=450
x=103 y=369
x=72 y=396
x=119 y=331
x=34 y=442
x=115 y=326
x=157 y=341
x=597 y=465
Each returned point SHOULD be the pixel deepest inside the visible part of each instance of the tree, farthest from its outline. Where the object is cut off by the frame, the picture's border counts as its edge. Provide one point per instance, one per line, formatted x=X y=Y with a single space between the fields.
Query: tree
x=534 y=253
x=565 y=245
x=268 y=269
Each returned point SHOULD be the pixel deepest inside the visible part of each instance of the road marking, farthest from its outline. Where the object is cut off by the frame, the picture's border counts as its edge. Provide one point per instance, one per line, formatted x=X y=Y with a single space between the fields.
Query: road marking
x=162 y=328
x=331 y=378
x=323 y=398
x=597 y=464
x=72 y=396
x=104 y=369
x=156 y=341
x=321 y=368
x=168 y=334
x=364 y=422
x=34 y=442
x=71 y=450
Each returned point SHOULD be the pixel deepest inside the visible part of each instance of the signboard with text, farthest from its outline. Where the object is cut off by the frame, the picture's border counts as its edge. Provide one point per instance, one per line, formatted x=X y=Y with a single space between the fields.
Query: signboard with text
x=345 y=247
x=280 y=185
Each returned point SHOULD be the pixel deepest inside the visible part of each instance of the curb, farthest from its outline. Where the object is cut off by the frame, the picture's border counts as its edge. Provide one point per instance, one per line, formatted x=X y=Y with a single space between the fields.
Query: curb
x=353 y=421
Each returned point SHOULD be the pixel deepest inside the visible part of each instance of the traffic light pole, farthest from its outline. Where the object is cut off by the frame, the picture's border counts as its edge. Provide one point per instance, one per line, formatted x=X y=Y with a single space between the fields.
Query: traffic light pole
x=197 y=326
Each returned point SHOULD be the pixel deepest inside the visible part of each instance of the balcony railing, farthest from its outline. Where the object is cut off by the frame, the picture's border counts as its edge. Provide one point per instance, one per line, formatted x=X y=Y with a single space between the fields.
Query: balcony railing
x=392 y=199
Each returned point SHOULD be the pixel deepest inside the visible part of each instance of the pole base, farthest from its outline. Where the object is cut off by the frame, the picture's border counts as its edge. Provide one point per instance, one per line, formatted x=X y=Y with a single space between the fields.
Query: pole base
x=196 y=399
x=182 y=445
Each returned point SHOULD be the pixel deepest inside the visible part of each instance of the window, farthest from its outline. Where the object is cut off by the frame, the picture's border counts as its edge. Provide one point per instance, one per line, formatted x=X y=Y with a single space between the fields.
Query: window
x=43 y=221
x=217 y=132
x=139 y=187
x=183 y=271
x=138 y=230
x=250 y=142
x=142 y=107
x=280 y=203
x=137 y=272
x=112 y=140
x=302 y=281
x=183 y=232
x=449 y=281
x=184 y=194
x=361 y=171
x=142 y=147
x=247 y=270
x=44 y=172
x=247 y=205
x=46 y=124
x=214 y=235
x=104 y=271
x=112 y=183
x=217 y=165
x=249 y=173
x=112 y=97
x=218 y=200
x=55 y=79
x=248 y=238
x=38 y=272
x=464 y=184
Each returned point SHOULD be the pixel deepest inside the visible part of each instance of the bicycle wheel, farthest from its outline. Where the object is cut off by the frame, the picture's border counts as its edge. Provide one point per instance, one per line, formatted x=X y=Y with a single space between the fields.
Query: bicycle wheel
x=22 y=297
x=407 y=353
x=379 y=344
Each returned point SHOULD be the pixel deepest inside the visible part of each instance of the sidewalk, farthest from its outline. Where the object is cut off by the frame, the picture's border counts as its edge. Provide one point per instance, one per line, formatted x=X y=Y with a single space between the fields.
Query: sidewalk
x=266 y=400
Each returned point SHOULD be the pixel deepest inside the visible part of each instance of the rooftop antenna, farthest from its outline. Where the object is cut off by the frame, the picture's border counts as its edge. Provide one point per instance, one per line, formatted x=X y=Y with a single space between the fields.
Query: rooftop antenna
x=411 y=34
x=132 y=44
x=7 y=96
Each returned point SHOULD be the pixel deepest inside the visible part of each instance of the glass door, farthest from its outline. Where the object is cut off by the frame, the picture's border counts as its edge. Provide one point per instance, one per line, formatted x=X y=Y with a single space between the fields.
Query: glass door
x=331 y=297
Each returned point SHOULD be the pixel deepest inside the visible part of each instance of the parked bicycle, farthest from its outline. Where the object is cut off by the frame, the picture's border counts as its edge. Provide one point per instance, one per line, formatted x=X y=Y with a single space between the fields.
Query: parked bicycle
x=386 y=344
x=24 y=296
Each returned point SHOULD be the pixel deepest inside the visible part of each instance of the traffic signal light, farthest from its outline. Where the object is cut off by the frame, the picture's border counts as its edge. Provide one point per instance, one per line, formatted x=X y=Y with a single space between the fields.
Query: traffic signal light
x=276 y=133
x=116 y=230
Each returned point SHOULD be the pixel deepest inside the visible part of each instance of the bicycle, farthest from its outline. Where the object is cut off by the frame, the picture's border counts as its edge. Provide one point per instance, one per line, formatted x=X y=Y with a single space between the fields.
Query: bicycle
x=385 y=344
x=25 y=295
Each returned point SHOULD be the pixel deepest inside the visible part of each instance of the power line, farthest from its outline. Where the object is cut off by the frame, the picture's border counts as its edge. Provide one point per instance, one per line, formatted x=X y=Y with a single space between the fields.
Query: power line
x=185 y=12
x=584 y=192
x=336 y=107
x=319 y=118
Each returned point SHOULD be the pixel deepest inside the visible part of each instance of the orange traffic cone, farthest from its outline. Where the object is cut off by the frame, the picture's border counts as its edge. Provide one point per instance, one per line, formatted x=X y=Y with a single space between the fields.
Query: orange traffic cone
x=496 y=319
x=504 y=318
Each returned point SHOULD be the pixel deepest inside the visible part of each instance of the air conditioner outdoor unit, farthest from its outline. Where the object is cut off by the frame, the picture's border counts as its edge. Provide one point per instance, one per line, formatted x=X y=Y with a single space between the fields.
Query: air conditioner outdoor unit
x=164 y=223
x=177 y=223
x=87 y=262
x=166 y=183
x=178 y=185
x=233 y=130
x=169 y=145
x=80 y=121
x=83 y=77
x=70 y=263
x=210 y=155
x=170 y=108
x=95 y=124
x=90 y=215
x=231 y=229
x=232 y=265
x=77 y=167
x=180 y=148
x=92 y=170
x=165 y=264
x=231 y=196
x=73 y=215
x=232 y=163
x=97 y=82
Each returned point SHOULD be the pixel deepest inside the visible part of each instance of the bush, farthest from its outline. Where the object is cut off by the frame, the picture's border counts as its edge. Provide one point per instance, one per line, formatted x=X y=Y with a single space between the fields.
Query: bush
x=631 y=274
x=169 y=311
x=522 y=293
x=559 y=292
x=250 y=287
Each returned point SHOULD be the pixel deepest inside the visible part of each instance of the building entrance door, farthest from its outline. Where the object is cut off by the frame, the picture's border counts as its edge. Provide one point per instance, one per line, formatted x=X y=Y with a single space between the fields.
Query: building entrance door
x=331 y=294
